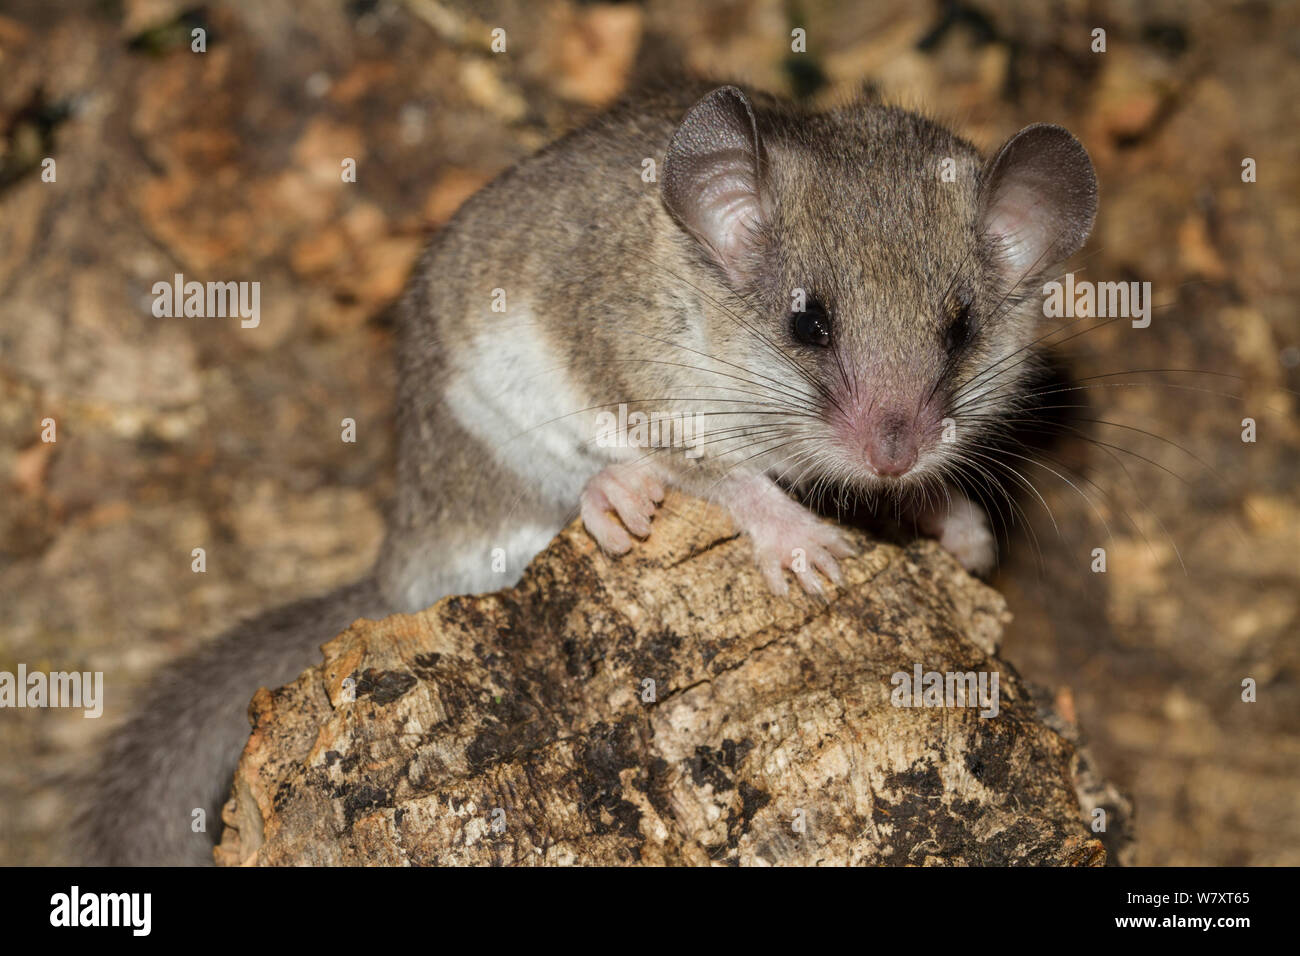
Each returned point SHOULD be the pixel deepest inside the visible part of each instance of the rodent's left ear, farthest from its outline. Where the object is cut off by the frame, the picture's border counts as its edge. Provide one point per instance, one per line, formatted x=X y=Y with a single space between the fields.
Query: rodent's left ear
x=711 y=177
x=1039 y=199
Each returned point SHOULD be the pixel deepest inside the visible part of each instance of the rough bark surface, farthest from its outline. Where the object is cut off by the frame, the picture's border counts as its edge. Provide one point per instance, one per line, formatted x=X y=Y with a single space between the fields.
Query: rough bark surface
x=515 y=727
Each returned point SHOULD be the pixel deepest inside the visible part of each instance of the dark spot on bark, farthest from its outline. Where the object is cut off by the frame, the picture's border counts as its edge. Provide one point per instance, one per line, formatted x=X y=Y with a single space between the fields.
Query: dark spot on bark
x=579 y=658
x=752 y=800
x=653 y=782
x=384 y=687
x=471 y=614
x=655 y=655
x=714 y=767
x=707 y=768
x=361 y=799
x=606 y=752
x=426 y=666
x=282 y=794
x=989 y=759
x=517 y=719
x=926 y=821
x=518 y=727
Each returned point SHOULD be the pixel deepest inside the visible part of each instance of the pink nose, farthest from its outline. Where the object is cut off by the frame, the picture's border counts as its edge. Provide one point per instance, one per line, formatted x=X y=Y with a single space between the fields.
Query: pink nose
x=891 y=449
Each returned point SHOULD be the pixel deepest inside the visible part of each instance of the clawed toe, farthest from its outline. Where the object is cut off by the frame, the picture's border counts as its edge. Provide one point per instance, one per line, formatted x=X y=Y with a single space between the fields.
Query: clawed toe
x=618 y=500
x=787 y=536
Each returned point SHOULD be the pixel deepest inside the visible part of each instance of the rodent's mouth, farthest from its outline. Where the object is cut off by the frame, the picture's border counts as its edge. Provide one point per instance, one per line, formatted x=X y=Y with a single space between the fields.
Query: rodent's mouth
x=923 y=476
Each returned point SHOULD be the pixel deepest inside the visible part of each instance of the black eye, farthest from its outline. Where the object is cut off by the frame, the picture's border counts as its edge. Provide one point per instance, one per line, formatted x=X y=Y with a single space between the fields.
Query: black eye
x=960 y=329
x=812 y=326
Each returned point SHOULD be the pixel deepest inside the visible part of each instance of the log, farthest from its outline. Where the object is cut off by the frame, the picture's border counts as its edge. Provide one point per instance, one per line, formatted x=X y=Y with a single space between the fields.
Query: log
x=664 y=708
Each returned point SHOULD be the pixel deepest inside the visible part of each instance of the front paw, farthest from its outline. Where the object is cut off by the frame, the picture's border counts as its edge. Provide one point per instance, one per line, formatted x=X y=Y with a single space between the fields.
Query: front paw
x=787 y=536
x=963 y=531
x=804 y=548
x=629 y=492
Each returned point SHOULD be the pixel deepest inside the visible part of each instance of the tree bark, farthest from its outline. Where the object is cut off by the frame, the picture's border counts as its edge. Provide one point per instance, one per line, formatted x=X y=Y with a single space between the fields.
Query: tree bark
x=664 y=708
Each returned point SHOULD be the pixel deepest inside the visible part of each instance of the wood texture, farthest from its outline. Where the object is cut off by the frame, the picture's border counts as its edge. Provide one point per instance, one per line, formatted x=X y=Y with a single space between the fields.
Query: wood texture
x=519 y=727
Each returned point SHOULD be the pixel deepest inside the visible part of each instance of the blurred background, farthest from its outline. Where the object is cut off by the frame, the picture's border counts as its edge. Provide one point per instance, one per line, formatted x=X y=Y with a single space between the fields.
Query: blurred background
x=225 y=165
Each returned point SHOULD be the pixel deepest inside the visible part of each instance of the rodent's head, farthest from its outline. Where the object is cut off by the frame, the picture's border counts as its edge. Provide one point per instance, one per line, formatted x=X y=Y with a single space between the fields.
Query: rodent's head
x=879 y=269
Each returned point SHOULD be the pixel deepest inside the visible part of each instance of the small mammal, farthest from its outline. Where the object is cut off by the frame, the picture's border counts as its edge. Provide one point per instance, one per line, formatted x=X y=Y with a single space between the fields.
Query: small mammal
x=810 y=280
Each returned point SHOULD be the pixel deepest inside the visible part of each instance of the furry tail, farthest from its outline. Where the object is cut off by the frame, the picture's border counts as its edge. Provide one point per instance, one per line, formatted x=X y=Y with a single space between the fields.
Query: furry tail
x=178 y=752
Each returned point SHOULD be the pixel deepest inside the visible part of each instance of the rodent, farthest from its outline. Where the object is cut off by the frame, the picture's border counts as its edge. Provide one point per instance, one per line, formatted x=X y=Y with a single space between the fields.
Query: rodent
x=677 y=293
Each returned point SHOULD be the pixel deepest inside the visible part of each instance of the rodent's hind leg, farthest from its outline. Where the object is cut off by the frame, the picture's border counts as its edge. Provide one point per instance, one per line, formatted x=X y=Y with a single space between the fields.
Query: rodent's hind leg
x=630 y=491
x=963 y=530
x=785 y=535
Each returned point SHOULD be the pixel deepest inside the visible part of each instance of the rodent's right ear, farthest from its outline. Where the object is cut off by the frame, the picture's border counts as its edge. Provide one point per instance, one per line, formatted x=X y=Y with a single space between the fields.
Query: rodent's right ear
x=1039 y=199
x=711 y=177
